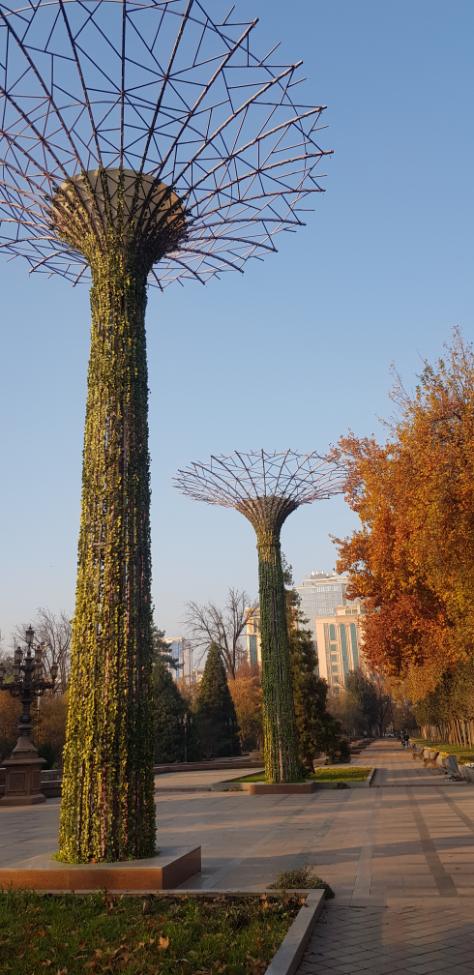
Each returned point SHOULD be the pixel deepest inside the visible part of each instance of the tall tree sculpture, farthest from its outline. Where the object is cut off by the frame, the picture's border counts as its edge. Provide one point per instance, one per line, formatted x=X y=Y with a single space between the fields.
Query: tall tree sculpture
x=140 y=141
x=266 y=488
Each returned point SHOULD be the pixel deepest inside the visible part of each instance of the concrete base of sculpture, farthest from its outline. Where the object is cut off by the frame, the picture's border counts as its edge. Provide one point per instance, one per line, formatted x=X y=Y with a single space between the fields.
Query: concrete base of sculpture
x=266 y=788
x=25 y=800
x=23 y=775
x=170 y=868
x=279 y=788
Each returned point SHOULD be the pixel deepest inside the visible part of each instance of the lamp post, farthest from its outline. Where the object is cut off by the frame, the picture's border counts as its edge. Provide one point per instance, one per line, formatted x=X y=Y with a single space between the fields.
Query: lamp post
x=185 y=729
x=23 y=768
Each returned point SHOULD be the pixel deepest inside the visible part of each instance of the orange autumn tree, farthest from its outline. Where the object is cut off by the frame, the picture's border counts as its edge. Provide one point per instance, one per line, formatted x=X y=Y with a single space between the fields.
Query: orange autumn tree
x=412 y=559
x=246 y=691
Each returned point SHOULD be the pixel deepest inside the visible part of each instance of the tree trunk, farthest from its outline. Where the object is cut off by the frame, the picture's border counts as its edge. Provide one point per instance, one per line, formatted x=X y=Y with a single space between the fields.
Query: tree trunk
x=471 y=732
x=107 y=809
x=279 y=728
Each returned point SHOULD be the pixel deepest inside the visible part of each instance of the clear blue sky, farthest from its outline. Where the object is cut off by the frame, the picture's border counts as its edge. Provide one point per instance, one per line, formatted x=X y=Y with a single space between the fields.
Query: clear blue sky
x=294 y=352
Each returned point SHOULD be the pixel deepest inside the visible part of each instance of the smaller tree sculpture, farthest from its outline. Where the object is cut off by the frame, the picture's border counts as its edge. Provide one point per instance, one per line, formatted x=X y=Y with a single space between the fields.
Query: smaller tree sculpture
x=266 y=488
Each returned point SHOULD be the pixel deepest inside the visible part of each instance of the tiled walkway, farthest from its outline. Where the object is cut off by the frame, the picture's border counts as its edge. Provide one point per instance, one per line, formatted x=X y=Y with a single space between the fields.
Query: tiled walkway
x=400 y=857
x=407 y=905
x=396 y=940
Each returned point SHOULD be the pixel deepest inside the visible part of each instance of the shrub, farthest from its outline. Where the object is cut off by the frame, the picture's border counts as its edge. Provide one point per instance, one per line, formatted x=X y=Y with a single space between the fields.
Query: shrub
x=301 y=878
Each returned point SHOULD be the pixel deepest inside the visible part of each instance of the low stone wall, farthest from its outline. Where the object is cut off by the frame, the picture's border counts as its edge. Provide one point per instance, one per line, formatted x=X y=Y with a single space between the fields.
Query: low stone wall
x=51 y=778
x=218 y=763
x=444 y=761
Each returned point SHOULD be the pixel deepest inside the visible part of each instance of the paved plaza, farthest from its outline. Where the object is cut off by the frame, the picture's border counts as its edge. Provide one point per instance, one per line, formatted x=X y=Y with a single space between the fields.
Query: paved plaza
x=401 y=860
x=400 y=857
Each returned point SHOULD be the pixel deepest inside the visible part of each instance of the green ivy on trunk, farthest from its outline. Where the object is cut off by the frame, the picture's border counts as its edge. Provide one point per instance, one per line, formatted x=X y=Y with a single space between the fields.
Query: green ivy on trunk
x=107 y=808
x=279 y=728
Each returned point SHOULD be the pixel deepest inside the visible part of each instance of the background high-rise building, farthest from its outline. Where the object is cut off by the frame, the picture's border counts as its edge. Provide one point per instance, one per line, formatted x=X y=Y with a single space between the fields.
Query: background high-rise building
x=252 y=639
x=181 y=652
x=320 y=593
x=334 y=621
x=339 y=643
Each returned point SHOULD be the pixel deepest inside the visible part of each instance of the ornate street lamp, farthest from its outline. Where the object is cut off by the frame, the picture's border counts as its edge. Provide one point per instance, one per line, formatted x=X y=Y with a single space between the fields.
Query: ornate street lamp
x=23 y=768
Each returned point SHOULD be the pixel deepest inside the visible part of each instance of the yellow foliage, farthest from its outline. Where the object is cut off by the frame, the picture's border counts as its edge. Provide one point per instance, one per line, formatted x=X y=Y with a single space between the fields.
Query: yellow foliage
x=246 y=691
x=9 y=715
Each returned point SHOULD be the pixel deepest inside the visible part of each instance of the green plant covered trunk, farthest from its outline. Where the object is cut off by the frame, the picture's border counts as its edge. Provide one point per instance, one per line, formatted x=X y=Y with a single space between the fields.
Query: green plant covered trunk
x=279 y=728
x=107 y=808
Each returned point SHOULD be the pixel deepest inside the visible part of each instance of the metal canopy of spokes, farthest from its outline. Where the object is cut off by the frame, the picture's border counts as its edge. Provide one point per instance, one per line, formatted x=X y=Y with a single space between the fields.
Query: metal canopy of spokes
x=266 y=487
x=174 y=91
x=285 y=477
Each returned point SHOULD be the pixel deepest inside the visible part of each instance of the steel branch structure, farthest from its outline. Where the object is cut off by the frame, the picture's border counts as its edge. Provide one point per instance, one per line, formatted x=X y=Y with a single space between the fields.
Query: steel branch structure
x=141 y=141
x=276 y=481
x=170 y=92
x=266 y=488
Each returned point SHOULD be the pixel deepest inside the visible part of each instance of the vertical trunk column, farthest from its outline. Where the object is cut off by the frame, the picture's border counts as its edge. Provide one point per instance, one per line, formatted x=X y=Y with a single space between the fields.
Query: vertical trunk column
x=280 y=737
x=107 y=809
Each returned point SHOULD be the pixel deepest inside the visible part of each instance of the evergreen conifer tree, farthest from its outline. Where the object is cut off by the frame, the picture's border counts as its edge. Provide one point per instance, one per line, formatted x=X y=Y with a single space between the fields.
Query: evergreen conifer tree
x=174 y=738
x=308 y=694
x=216 y=720
x=318 y=731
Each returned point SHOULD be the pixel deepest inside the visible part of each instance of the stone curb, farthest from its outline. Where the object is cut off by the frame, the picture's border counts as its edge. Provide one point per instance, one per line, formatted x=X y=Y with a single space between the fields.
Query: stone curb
x=291 y=951
x=287 y=959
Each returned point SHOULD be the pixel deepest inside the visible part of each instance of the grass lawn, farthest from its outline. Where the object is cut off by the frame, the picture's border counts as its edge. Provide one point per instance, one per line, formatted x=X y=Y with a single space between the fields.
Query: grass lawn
x=351 y=773
x=463 y=753
x=103 y=934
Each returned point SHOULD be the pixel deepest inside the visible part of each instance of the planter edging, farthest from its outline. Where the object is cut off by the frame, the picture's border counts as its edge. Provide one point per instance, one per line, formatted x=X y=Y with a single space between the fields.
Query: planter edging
x=291 y=951
x=233 y=785
x=288 y=956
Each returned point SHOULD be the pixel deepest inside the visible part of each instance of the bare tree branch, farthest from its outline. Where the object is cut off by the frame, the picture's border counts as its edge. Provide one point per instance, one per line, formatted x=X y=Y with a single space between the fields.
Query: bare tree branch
x=54 y=631
x=225 y=627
